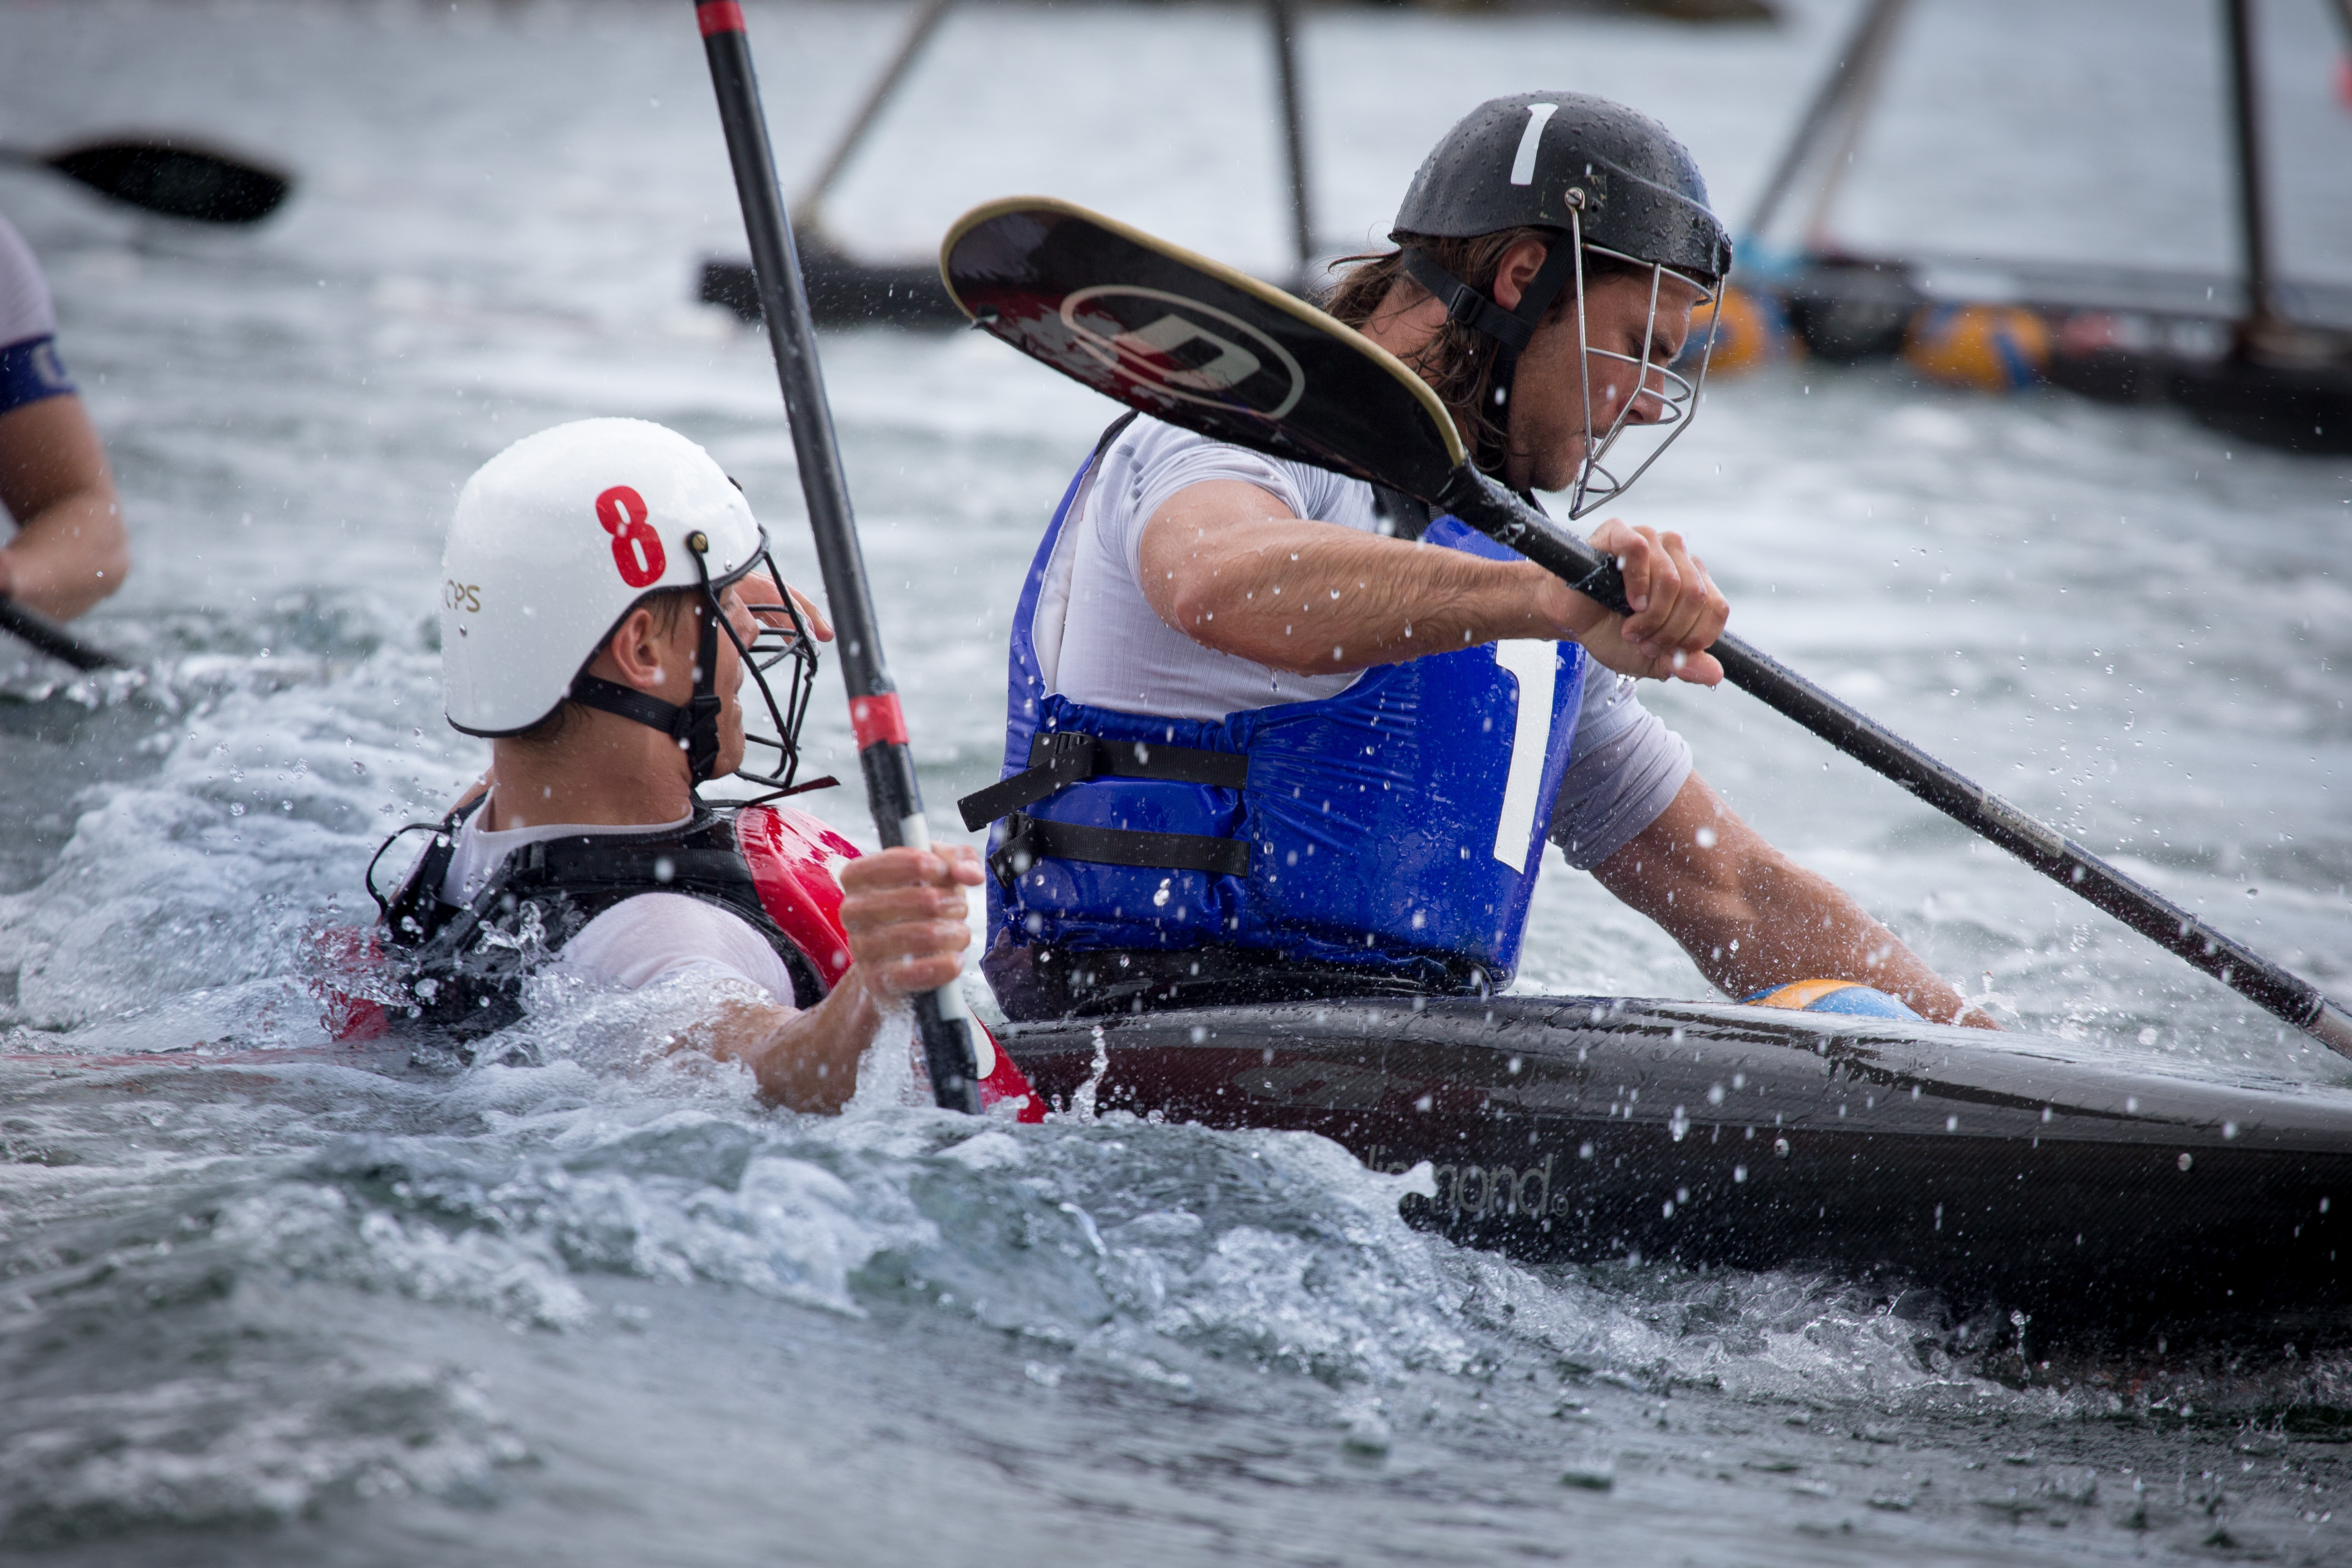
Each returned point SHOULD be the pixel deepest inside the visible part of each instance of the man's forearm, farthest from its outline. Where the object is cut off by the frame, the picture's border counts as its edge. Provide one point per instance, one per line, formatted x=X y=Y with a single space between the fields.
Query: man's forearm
x=804 y=1061
x=1813 y=931
x=1313 y=599
x=71 y=550
x=68 y=556
x=1752 y=919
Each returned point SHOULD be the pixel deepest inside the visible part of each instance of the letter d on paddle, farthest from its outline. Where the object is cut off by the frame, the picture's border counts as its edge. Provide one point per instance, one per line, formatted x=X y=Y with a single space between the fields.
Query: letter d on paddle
x=1537 y=1207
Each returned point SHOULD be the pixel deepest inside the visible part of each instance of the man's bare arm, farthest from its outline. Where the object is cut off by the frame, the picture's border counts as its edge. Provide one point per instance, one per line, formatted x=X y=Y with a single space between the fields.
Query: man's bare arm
x=904 y=912
x=1752 y=919
x=71 y=550
x=1234 y=569
x=801 y=1060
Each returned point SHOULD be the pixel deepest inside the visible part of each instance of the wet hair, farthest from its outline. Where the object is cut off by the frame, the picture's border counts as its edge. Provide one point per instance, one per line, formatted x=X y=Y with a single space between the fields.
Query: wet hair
x=667 y=605
x=1458 y=363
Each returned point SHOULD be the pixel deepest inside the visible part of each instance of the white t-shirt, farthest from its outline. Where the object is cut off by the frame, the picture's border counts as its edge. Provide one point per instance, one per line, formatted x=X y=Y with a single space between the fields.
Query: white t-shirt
x=29 y=367
x=24 y=310
x=639 y=940
x=1100 y=642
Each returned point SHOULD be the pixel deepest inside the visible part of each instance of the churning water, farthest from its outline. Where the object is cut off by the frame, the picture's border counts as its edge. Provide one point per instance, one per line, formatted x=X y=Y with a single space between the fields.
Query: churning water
x=265 y=1301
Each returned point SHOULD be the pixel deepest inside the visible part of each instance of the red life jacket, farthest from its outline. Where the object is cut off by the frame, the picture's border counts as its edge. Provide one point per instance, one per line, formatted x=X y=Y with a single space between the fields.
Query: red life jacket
x=790 y=857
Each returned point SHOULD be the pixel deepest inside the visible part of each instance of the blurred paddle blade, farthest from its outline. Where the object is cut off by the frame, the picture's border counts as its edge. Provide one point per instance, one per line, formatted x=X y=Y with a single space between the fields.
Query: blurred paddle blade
x=174 y=179
x=1194 y=343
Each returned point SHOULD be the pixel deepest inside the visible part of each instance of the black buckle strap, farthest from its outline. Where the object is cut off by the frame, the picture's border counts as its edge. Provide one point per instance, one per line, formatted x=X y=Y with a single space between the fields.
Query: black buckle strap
x=1513 y=328
x=1064 y=757
x=1055 y=760
x=693 y=724
x=628 y=702
x=1028 y=840
x=1467 y=305
x=589 y=863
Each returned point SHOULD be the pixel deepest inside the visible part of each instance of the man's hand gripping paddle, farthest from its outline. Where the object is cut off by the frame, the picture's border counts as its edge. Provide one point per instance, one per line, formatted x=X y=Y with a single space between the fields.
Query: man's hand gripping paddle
x=941 y=1017
x=1198 y=344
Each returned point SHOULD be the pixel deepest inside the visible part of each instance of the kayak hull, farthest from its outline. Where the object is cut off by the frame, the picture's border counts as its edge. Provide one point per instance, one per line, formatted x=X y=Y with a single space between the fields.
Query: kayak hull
x=2011 y=1169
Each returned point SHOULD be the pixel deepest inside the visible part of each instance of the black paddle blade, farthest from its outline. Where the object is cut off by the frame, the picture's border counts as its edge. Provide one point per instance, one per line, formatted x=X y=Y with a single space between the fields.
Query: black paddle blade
x=175 y=180
x=1195 y=343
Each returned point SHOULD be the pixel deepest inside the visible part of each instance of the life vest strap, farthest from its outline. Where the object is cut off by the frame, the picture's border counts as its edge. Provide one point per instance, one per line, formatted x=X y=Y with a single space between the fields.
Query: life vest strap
x=592 y=867
x=1060 y=758
x=1029 y=839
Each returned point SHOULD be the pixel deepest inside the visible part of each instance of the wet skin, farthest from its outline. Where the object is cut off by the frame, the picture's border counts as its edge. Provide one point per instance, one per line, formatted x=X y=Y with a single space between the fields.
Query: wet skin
x=71 y=550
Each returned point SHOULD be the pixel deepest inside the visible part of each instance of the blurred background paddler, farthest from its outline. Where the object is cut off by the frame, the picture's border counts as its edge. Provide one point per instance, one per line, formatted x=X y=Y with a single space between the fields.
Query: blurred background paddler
x=70 y=549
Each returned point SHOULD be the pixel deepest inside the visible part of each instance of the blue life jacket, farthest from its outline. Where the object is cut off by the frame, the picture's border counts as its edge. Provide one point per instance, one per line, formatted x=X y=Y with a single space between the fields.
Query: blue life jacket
x=1396 y=827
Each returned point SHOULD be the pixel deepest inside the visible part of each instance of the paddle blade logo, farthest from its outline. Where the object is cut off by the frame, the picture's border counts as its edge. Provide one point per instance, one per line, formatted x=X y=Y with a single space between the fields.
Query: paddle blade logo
x=636 y=548
x=1182 y=348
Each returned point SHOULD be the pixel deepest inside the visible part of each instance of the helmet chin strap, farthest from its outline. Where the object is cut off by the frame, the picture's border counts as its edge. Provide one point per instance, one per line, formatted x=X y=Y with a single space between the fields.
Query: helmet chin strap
x=1511 y=329
x=693 y=725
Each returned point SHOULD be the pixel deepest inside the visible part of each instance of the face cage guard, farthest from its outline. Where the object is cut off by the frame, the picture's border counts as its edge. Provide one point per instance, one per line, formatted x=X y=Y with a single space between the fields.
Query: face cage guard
x=770 y=646
x=1677 y=401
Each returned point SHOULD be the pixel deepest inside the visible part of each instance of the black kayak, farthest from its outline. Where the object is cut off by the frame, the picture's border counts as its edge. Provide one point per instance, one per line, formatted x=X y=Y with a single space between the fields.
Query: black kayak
x=2008 y=1169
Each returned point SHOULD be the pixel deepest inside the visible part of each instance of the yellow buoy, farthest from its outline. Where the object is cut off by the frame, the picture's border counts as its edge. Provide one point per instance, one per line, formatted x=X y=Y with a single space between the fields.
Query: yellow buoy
x=1753 y=334
x=1985 y=348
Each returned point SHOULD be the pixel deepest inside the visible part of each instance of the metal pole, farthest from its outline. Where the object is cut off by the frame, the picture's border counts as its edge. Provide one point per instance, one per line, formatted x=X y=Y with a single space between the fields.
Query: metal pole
x=2343 y=9
x=882 y=754
x=2246 y=122
x=1870 y=69
x=1877 y=22
x=1283 y=17
x=805 y=211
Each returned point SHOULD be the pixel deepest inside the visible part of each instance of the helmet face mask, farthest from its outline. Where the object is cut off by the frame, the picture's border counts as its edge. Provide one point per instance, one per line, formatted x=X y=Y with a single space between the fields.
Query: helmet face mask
x=791 y=643
x=1676 y=401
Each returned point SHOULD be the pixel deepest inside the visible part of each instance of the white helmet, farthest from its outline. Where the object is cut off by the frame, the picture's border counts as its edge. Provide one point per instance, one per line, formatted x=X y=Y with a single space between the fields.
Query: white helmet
x=559 y=537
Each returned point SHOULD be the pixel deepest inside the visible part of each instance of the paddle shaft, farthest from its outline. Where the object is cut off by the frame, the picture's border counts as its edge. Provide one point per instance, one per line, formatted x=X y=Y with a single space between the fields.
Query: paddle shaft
x=941 y=1017
x=1503 y=516
x=52 y=638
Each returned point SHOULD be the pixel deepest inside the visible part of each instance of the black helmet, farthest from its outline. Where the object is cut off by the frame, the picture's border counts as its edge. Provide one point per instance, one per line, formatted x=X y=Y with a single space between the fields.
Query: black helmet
x=1524 y=159
x=1617 y=184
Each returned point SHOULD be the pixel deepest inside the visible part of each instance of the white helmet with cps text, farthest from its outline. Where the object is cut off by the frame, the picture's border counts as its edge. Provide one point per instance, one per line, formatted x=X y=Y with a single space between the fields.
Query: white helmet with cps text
x=558 y=538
